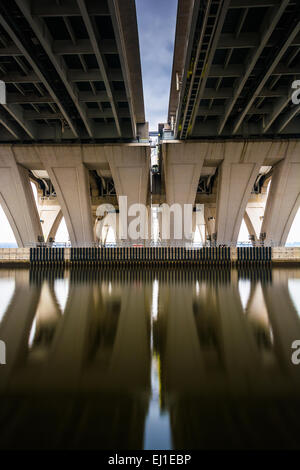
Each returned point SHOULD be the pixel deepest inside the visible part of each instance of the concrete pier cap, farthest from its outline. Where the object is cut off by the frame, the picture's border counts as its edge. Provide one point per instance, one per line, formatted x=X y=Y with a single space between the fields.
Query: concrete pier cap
x=237 y=165
x=68 y=168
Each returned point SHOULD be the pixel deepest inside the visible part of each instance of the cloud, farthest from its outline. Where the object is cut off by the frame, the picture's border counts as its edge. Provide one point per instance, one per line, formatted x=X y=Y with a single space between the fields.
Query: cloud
x=156 y=23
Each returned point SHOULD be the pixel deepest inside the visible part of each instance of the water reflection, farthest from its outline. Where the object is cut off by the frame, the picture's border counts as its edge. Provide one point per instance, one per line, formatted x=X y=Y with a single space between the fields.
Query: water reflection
x=245 y=291
x=294 y=289
x=153 y=359
x=157 y=426
x=7 y=288
x=61 y=290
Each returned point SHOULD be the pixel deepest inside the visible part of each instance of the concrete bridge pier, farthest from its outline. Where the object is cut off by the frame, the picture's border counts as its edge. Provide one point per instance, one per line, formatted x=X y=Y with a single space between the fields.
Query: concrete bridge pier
x=69 y=175
x=51 y=217
x=237 y=174
x=284 y=197
x=17 y=200
x=182 y=169
x=210 y=218
x=129 y=166
x=253 y=217
x=199 y=222
x=103 y=226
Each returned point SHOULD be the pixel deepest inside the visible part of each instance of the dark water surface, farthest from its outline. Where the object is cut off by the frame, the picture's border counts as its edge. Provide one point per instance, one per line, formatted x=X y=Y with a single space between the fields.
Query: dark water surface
x=149 y=359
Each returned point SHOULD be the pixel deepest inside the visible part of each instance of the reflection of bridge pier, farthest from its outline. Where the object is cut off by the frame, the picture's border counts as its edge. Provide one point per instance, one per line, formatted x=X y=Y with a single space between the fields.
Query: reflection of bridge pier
x=241 y=358
x=182 y=361
x=67 y=351
x=16 y=325
x=93 y=375
x=130 y=361
x=222 y=374
x=284 y=319
x=45 y=322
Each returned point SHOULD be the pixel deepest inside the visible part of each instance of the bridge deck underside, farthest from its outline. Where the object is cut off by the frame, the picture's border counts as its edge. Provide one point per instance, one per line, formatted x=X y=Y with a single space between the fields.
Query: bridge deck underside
x=65 y=65
x=241 y=61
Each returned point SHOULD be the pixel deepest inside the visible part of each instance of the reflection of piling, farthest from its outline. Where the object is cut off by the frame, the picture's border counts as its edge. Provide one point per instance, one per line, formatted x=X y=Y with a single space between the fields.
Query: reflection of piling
x=39 y=273
x=255 y=272
x=162 y=273
x=127 y=273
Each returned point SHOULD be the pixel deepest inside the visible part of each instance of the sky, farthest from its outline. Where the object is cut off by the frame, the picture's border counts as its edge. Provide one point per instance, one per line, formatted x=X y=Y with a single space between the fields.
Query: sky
x=156 y=25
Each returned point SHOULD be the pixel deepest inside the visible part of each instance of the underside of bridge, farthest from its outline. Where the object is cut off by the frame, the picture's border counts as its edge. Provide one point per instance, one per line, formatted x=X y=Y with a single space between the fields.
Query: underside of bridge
x=72 y=71
x=232 y=109
x=74 y=121
x=234 y=65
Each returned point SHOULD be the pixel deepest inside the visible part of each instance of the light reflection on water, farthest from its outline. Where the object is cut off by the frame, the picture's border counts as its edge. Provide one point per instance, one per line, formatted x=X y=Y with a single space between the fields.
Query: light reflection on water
x=245 y=291
x=7 y=288
x=152 y=359
x=294 y=289
x=157 y=425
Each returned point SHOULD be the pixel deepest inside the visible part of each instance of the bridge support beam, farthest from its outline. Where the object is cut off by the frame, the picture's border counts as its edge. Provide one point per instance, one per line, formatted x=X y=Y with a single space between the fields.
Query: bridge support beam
x=17 y=200
x=284 y=197
x=237 y=174
x=129 y=166
x=70 y=179
x=182 y=167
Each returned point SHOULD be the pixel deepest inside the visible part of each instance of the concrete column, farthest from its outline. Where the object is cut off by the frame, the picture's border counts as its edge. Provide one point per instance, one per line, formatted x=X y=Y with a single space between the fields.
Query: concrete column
x=51 y=217
x=210 y=218
x=284 y=197
x=150 y=225
x=182 y=168
x=70 y=179
x=17 y=200
x=102 y=227
x=116 y=228
x=129 y=167
x=236 y=178
x=253 y=218
x=199 y=222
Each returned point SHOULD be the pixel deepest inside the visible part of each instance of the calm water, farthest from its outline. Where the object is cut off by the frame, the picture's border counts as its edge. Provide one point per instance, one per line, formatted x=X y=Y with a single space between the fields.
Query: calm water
x=149 y=359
